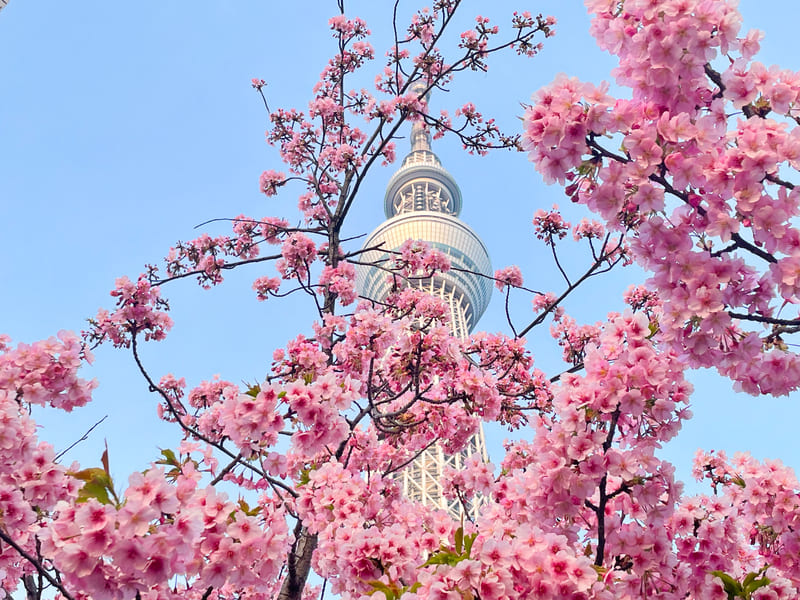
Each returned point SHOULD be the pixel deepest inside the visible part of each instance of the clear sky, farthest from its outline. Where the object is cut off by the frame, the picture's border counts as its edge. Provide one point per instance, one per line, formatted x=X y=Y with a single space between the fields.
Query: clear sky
x=125 y=125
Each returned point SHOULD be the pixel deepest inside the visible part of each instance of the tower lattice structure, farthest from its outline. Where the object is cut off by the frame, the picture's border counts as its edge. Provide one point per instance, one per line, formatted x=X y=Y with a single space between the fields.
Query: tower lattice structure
x=423 y=202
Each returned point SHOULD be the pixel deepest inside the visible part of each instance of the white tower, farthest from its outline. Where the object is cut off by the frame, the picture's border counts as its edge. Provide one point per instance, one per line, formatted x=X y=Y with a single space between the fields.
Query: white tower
x=422 y=202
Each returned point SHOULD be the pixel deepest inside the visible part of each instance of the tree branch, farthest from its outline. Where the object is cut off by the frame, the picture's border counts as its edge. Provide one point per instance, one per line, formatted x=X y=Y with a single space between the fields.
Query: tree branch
x=36 y=564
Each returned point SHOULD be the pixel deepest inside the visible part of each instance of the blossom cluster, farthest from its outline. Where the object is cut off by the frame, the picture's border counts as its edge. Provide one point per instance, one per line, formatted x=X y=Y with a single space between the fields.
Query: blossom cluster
x=140 y=310
x=31 y=484
x=416 y=259
x=508 y=276
x=159 y=531
x=46 y=372
x=206 y=256
x=550 y=226
x=340 y=280
x=698 y=182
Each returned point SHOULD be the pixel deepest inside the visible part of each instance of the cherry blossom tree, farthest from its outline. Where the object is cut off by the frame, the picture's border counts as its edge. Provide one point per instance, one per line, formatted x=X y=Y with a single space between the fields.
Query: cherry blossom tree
x=294 y=473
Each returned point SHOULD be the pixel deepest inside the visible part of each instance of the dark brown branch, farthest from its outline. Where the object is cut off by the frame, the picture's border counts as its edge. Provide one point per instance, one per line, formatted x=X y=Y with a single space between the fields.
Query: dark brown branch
x=36 y=564
x=552 y=245
x=298 y=565
x=574 y=369
x=226 y=469
x=601 y=505
x=778 y=181
x=508 y=312
x=392 y=469
x=226 y=267
x=762 y=319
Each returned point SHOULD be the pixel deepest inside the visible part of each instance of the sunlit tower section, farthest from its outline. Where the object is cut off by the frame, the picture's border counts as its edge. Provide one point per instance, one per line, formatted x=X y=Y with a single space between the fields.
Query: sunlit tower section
x=3 y=4
x=423 y=202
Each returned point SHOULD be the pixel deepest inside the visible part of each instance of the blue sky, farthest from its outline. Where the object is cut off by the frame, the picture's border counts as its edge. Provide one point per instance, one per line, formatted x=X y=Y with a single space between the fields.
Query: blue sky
x=123 y=126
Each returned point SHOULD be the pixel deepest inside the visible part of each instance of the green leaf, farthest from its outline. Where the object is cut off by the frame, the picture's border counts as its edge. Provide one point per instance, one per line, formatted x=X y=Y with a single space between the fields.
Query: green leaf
x=468 y=541
x=446 y=556
x=97 y=485
x=245 y=508
x=305 y=477
x=749 y=579
x=93 y=490
x=253 y=390
x=91 y=474
x=732 y=587
x=443 y=557
x=601 y=571
x=755 y=584
x=745 y=589
x=390 y=593
x=169 y=458
x=751 y=584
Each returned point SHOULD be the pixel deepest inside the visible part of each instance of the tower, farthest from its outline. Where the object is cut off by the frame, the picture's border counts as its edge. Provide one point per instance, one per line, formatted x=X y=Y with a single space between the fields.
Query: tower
x=422 y=202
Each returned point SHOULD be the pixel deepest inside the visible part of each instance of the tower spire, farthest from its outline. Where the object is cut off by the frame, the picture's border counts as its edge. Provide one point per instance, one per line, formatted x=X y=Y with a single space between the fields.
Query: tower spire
x=420 y=135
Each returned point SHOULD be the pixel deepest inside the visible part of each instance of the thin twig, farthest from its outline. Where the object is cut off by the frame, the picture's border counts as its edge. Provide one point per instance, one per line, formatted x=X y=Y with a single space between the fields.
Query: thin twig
x=83 y=438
